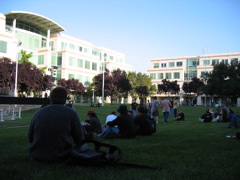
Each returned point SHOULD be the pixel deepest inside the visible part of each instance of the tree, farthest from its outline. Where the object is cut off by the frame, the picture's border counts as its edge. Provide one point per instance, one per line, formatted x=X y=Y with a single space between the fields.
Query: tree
x=116 y=84
x=6 y=73
x=224 y=81
x=72 y=86
x=138 y=81
x=30 y=78
x=196 y=85
x=25 y=57
x=168 y=87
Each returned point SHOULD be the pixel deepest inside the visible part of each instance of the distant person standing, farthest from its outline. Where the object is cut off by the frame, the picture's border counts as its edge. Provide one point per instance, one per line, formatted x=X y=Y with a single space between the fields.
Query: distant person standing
x=165 y=104
x=134 y=106
x=154 y=109
x=175 y=107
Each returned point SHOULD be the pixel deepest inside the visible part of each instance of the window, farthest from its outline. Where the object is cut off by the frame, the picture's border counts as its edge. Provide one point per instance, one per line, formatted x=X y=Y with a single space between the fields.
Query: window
x=86 y=50
x=206 y=62
x=80 y=78
x=40 y=59
x=72 y=46
x=87 y=64
x=80 y=63
x=63 y=45
x=80 y=48
x=111 y=57
x=152 y=76
x=171 y=64
x=59 y=59
x=164 y=65
x=71 y=61
x=160 y=75
x=176 y=75
x=179 y=64
x=3 y=46
x=203 y=74
x=215 y=61
x=234 y=60
x=94 y=66
x=168 y=75
x=87 y=81
x=70 y=76
x=225 y=61
x=156 y=65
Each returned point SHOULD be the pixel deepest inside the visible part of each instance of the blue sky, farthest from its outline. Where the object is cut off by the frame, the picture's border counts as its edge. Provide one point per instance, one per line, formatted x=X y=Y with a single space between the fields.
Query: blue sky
x=144 y=29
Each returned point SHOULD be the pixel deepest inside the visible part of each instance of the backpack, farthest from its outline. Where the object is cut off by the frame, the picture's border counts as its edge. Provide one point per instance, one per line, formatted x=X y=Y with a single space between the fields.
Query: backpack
x=152 y=123
x=105 y=154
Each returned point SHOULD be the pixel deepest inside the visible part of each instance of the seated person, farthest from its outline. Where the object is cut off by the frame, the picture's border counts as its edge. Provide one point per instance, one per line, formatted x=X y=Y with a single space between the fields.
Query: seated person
x=180 y=116
x=48 y=134
x=207 y=117
x=94 y=122
x=143 y=126
x=125 y=123
x=235 y=122
x=109 y=130
x=217 y=116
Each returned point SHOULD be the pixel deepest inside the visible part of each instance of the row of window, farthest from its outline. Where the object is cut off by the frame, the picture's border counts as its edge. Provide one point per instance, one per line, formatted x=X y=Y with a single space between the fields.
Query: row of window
x=170 y=64
x=174 y=75
x=85 y=80
x=217 y=61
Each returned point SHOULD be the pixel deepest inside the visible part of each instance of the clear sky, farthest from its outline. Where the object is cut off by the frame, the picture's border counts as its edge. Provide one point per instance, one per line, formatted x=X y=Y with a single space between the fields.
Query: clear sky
x=144 y=29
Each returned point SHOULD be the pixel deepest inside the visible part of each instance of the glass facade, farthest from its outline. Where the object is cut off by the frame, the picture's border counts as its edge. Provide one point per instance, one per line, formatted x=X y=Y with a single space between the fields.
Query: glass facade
x=40 y=59
x=168 y=75
x=160 y=75
x=192 y=63
x=176 y=75
x=3 y=46
x=171 y=64
x=29 y=41
x=152 y=76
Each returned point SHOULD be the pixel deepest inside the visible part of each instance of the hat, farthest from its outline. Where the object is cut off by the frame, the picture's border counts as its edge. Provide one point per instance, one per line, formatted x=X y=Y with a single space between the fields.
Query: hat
x=122 y=109
x=90 y=112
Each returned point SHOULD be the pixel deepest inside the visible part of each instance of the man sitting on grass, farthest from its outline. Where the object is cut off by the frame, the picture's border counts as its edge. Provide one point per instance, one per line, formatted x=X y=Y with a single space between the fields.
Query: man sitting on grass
x=55 y=131
x=207 y=117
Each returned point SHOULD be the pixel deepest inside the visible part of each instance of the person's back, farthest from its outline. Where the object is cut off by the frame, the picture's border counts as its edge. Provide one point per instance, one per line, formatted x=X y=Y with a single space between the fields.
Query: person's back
x=142 y=123
x=207 y=117
x=54 y=131
x=125 y=123
x=95 y=125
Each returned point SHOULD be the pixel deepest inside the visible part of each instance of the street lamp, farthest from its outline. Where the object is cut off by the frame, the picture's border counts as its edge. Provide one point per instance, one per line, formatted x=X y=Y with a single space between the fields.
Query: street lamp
x=103 y=71
x=93 y=95
x=16 y=74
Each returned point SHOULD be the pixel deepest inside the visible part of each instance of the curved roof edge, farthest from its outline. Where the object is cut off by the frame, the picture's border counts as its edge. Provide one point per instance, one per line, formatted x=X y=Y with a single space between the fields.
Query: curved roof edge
x=39 y=21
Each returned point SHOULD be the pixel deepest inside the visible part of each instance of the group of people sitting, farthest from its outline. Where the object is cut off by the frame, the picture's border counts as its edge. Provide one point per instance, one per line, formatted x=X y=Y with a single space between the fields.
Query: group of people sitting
x=222 y=114
x=126 y=125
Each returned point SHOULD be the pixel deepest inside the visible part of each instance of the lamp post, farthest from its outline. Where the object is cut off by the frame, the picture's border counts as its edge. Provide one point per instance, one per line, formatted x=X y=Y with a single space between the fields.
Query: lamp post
x=93 y=95
x=204 y=51
x=16 y=74
x=103 y=71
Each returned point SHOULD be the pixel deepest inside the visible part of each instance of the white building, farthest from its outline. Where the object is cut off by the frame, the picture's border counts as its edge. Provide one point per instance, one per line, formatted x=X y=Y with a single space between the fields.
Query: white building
x=183 y=69
x=43 y=37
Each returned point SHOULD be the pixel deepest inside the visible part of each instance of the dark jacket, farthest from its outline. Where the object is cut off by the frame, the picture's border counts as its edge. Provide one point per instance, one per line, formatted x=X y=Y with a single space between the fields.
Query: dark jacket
x=142 y=125
x=95 y=125
x=207 y=117
x=125 y=124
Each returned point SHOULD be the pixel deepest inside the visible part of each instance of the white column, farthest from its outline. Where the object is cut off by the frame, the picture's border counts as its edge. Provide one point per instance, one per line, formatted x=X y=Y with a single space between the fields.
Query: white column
x=14 y=28
x=48 y=37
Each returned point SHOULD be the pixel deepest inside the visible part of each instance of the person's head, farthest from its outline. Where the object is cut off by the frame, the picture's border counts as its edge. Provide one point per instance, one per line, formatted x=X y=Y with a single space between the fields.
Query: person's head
x=122 y=109
x=91 y=113
x=141 y=109
x=58 y=95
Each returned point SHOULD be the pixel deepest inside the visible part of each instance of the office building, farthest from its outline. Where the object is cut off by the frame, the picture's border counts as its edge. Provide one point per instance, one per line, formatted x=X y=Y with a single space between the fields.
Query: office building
x=50 y=47
x=183 y=69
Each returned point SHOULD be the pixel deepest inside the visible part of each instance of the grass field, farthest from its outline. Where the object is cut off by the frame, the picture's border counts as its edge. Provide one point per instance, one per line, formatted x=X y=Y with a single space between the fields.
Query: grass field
x=180 y=150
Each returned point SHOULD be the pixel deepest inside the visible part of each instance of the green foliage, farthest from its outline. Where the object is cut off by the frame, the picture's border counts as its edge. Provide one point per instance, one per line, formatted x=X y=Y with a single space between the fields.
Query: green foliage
x=180 y=150
x=138 y=81
x=168 y=87
x=25 y=57
x=224 y=81
x=196 y=85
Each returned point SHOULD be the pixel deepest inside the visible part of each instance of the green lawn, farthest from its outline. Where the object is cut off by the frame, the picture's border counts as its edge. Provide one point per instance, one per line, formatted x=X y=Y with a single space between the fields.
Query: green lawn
x=180 y=150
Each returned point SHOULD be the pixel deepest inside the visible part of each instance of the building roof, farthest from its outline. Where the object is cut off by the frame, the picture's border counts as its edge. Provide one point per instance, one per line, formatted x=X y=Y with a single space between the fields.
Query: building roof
x=40 y=22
